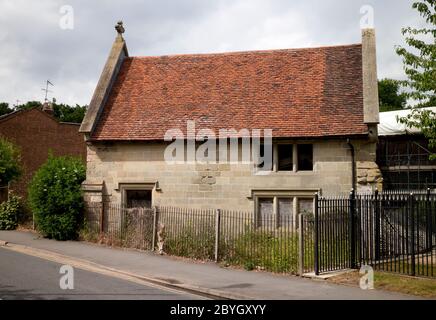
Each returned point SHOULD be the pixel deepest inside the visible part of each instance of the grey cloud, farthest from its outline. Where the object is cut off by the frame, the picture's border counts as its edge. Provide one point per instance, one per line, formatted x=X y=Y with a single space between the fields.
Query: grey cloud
x=34 y=48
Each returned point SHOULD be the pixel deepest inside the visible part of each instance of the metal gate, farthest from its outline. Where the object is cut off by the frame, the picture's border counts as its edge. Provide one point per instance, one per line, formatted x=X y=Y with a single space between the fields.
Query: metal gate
x=391 y=231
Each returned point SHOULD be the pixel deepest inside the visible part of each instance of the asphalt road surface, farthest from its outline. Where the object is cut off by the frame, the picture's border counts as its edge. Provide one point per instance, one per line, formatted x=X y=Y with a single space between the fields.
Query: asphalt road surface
x=27 y=277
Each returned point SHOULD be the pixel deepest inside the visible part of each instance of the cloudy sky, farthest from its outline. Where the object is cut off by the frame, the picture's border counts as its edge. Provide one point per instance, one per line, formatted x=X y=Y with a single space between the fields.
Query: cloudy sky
x=37 y=42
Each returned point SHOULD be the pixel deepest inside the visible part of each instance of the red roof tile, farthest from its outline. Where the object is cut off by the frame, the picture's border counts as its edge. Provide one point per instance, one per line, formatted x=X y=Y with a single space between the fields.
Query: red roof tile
x=298 y=93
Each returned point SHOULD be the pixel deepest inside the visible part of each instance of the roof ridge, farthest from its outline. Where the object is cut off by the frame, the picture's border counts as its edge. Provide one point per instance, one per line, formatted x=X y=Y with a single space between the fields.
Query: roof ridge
x=212 y=54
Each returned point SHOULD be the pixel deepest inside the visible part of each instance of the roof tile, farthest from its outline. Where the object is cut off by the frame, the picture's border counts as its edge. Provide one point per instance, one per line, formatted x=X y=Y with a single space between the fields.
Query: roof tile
x=296 y=92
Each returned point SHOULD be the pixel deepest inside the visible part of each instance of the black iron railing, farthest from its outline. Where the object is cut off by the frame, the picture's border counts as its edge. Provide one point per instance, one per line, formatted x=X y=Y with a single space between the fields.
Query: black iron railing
x=391 y=231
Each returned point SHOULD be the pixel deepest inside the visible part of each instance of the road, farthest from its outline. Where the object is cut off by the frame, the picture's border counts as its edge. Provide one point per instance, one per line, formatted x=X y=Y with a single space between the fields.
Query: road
x=27 y=277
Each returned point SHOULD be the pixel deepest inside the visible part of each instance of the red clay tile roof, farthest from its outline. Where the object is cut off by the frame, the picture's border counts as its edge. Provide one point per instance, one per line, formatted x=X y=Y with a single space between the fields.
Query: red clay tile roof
x=298 y=93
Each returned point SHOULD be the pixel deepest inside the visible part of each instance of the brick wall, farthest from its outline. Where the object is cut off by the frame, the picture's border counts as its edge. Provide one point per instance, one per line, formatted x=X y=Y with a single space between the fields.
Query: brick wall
x=36 y=132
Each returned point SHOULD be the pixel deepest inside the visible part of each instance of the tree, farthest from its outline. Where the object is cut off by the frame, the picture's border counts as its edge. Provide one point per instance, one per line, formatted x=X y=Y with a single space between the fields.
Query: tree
x=66 y=113
x=4 y=108
x=425 y=120
x=55 y=197
x=10 y=162
x=63 y=112
x=420 y=68
x=28 y=105
x=390 y=96
x=420 y=61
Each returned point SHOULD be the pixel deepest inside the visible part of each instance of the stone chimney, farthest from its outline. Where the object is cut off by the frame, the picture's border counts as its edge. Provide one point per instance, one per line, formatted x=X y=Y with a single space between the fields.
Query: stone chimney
x=370 y=81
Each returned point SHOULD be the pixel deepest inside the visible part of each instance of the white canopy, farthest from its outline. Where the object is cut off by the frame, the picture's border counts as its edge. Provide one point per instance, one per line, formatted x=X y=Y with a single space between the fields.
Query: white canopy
x=389 y=126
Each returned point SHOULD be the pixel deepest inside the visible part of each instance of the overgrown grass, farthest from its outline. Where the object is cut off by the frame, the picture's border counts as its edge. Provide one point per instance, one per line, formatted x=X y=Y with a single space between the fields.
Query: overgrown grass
x=264 y=250
x=424 y=287
x=188 y=242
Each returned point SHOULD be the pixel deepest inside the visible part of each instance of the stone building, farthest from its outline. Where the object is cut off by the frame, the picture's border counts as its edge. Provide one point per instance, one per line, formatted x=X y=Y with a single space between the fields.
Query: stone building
x=36 y=131
x=320 y=103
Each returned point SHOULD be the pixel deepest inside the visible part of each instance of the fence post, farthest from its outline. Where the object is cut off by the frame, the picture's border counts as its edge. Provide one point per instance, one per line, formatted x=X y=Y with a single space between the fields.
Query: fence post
x=377 y=226
x=155 y=220
x=352 y=233
x=217 y=233
x=412 y=229
x=301 y=245
x=316 y=240
x=429 y=221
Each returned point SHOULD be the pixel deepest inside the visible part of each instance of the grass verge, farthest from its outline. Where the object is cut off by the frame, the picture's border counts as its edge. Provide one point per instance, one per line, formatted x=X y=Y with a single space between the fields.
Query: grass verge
x=423 y=287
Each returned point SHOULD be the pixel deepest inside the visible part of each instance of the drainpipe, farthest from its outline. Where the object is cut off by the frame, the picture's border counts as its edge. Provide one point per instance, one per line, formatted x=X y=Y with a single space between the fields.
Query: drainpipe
x=353 y=164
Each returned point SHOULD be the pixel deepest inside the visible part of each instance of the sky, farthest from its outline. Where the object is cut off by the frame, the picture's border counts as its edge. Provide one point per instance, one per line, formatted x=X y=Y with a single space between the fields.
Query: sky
x=67 y=42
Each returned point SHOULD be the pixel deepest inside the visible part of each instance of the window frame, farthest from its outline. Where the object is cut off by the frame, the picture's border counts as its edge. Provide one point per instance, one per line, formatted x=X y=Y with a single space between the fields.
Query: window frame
x=295 y=158
x=299 y=159
x=295 y=195
x=124 y=187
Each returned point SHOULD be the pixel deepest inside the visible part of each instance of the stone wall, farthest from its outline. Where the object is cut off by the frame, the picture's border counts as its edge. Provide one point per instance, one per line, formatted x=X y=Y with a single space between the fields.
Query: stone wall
x=223 y=185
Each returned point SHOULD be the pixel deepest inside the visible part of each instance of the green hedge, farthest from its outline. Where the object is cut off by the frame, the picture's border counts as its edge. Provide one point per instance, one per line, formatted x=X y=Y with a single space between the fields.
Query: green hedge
x=10 y=162
x=9 y=211
x=55 y=197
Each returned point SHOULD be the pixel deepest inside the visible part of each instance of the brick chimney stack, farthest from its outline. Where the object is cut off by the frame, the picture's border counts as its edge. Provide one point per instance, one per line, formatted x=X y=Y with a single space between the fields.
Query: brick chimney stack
x=48 y=107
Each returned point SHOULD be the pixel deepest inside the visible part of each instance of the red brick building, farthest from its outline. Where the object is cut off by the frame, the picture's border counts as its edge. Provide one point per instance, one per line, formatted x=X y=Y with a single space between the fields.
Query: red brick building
x=36 y=132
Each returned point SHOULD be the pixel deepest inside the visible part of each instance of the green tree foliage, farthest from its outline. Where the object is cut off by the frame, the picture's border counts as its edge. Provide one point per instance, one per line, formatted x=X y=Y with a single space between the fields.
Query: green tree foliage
x=4 y=108
x=63 y=112
x=425 y=120
x=420 y=68
x=9 y=211
x=10 y=162
x=390 y=96
x=55 y=197
x=28 y=105
x=66 y=113
x=420 y=58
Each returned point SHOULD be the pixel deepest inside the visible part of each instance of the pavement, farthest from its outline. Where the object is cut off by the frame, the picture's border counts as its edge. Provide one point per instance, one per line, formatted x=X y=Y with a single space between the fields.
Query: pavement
x=25 y=277
x=207 y=279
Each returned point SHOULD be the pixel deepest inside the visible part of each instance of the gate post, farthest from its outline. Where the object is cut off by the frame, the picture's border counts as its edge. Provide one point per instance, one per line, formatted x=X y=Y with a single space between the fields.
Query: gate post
x=377 y=226
x=316 y=239
x=155 y=220
x=352 y=229
x=412 y=229
x=429 y=221
x=301 y=245
x=217 y=233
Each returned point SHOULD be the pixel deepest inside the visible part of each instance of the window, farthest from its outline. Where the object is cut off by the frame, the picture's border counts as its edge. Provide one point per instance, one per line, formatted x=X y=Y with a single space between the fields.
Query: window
x=305 y=157
x=266 y=211
x=282 y=209
x=287 y=157
x=305 y=206
x=264 y=163
x=285 y=211
x=284 y=154
x=138 y=198
x=137 y=194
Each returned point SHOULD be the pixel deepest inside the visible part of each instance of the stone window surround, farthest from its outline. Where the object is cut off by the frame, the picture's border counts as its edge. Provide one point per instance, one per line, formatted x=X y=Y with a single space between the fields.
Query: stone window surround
x=275 y=194
x=146 y=185
x=294 y=170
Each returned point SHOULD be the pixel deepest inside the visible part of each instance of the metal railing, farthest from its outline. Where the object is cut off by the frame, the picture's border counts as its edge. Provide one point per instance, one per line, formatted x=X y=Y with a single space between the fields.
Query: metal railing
x=230 y=237
x=393 y=231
